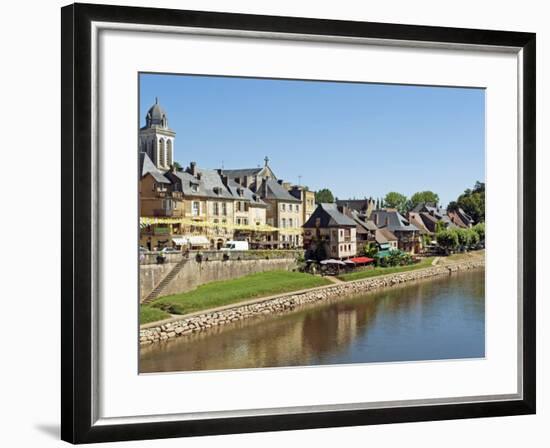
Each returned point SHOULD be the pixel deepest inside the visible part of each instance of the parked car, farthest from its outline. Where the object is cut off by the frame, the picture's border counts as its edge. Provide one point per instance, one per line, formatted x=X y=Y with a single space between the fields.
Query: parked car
x=170 y=250
x=235 y=245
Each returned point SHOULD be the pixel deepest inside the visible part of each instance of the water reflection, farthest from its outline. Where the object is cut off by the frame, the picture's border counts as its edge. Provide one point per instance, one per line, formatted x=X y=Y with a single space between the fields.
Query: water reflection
x=441 y=318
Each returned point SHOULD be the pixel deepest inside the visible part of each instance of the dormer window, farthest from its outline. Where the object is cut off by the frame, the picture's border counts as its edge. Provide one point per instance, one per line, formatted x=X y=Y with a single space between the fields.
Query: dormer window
x=216 y=190
x=194 y=187
x=240 y=192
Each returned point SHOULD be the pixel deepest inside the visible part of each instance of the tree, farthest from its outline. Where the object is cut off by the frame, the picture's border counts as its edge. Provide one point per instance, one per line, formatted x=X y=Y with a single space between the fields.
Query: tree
x=397 y=201
x=177 y=166
x=424 y=196
x=323 y=196
x=474 y=238
x=473 y=202
x=480 y=230
x=463 y=238
x=447 y=239
x=370 y=250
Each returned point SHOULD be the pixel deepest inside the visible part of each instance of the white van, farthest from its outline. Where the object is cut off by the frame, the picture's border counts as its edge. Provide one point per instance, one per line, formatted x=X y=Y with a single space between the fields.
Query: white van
x=235 y=245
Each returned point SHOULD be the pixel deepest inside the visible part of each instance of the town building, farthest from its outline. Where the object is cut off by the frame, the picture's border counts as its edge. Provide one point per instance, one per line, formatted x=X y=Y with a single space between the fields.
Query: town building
x=408 y=235
x=284 y=212
x=307 y=197
x=363 y=207
x=156 y=139
x=330 y=232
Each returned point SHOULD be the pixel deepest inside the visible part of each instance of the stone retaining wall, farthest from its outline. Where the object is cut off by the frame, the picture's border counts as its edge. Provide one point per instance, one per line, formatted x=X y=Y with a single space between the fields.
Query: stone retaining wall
x=287 y=302
x=214 y=266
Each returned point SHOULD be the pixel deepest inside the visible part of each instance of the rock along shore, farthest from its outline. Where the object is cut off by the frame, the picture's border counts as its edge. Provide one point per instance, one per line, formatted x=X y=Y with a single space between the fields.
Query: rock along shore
x=289 y=301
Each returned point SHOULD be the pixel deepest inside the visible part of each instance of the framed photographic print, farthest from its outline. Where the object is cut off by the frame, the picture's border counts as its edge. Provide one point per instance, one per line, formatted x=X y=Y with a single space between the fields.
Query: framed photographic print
x=275 y=223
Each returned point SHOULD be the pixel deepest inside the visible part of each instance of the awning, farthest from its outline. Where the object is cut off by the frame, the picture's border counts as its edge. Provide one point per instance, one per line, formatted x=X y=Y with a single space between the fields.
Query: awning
x=383 y=254
x=179 y=240
x=362 y=259
x=198 y=240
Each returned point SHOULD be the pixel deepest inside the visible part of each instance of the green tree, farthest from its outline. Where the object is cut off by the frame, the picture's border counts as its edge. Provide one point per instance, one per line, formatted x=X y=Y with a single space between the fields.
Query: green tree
x=370 y=250
x=480 y=230
x=324 y=195
x=396 y=200
x=473 y=202
x=447 y=239
x=424 y=196
x=463 y=238
x=474 y=238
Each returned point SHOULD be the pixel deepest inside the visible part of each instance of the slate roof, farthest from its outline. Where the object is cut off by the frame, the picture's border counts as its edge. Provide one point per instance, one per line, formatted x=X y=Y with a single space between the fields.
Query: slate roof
x=146 y=166
x=384 y=236
x=329 y=217
x=208 y=182
x=355 y=204
x=247 y=194
x=416 y=220
x=365 y=224
x=233 y=174
x=430 y=208
x=271 y=189
x=392 y=220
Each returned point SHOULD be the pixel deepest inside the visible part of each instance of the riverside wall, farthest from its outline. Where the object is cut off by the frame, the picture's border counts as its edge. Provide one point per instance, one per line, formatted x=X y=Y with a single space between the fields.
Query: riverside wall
x=151 y=333
x=211 y=266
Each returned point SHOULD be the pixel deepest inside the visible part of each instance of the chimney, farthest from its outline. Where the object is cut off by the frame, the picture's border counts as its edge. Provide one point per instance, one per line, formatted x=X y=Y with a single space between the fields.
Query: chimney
x=245 y=181
x=193 y=168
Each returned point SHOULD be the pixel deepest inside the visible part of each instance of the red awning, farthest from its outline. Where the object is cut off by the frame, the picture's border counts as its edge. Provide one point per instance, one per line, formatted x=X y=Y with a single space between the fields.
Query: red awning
x=362 y=259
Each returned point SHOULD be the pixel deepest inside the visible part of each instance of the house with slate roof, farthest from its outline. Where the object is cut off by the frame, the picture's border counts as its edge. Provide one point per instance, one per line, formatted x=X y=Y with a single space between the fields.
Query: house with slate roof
x=333 y=230
x=283 y=210
x=408 y=235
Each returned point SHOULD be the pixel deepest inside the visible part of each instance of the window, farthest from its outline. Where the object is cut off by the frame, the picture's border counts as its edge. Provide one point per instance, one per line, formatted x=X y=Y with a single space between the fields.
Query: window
x=169 y=152
x=283 y=207
x=245 y=221
x=162 y=155
x=297 y=208
x=290 y=223
x=196 y=211
x=194 y=187
x=238 y=221
x=238 y=206
x=224 y=208
x=216 y=209
x=283 y=222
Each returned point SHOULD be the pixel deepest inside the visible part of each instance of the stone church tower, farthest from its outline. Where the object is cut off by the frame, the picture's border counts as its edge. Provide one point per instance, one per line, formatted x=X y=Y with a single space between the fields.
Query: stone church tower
x=156 y=139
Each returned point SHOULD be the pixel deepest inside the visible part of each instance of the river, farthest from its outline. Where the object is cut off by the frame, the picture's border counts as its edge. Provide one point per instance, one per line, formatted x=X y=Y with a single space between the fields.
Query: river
x=437 y=318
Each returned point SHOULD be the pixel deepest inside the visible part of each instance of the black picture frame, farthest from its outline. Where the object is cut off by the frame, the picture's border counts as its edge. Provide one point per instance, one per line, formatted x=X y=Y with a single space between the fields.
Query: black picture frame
x=77 y=424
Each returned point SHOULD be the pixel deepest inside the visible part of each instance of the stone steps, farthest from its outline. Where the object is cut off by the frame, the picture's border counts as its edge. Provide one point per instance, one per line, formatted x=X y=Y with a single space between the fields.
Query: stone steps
x=164 y=282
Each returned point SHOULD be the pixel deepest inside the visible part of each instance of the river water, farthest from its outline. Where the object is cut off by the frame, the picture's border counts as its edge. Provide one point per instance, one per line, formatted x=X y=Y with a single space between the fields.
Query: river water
x=438 y=318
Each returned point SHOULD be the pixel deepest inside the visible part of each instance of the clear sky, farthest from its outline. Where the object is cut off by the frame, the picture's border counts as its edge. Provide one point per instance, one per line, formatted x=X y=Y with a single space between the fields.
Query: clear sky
x=357 y=139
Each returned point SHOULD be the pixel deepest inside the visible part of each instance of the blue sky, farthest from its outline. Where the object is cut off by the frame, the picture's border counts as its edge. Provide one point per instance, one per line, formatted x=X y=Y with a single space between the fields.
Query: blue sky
x=357 y=139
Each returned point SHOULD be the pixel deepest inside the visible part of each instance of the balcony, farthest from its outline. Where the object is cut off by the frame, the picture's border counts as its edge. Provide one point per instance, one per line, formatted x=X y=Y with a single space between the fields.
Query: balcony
x=168 y=213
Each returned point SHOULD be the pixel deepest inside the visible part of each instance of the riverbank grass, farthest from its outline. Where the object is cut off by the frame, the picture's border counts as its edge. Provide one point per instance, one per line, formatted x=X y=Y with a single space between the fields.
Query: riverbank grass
x=148 y=314
x=367 y=273
x=226 y=292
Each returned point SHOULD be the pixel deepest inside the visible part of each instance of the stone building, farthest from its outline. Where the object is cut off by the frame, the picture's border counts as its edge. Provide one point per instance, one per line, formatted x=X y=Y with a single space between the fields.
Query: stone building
x=408 y=235
x=330 y=231
x=284 y=212
x=307 y=197
x=156 y=139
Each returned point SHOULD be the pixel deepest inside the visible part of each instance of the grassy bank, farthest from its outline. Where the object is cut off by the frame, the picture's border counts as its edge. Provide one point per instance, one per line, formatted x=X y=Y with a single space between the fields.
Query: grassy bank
x=148 y=314
x=367 y=273
x=226 y=292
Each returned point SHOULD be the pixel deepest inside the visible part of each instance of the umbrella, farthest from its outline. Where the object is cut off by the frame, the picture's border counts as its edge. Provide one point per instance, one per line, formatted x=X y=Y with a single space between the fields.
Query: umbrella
x=332 y=261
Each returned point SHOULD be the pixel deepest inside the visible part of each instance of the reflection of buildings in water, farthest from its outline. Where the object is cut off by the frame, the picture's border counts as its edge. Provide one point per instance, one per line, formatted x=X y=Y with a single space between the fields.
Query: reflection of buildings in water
x=314 y=334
